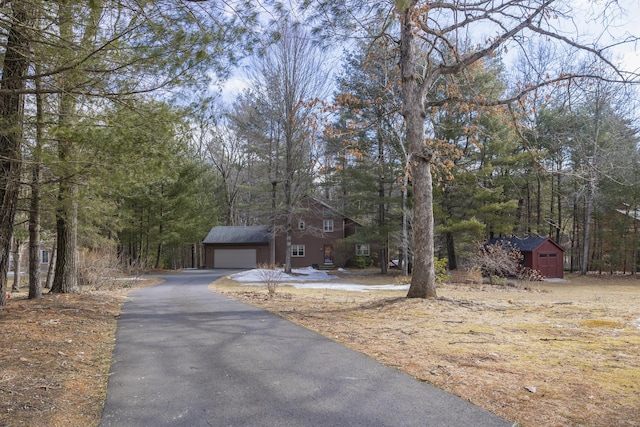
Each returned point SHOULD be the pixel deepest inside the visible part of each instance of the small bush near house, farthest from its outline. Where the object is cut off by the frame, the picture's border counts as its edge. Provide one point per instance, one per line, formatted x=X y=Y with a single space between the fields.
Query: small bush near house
x=363 y=262
x=271 y=275
x=342 y=251
x=501 y=261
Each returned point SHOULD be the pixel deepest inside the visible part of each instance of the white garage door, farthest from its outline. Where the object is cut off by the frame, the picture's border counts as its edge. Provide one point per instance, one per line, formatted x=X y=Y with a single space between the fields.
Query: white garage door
x=234 y=258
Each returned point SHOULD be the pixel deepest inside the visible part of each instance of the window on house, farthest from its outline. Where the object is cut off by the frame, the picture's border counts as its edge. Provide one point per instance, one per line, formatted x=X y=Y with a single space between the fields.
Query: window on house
x=301 y=224
x=297 y=250
x=327 y=225
x=363 y=250
x=44 y=256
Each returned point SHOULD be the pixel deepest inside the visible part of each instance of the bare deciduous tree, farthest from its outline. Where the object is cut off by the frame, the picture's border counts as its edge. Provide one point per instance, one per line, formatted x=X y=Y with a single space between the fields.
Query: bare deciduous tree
x=435 y=39
x=291 y=80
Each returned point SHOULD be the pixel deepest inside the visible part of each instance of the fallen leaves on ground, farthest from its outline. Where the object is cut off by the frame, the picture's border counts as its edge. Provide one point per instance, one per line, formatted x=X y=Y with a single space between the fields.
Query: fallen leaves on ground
x=56 y=355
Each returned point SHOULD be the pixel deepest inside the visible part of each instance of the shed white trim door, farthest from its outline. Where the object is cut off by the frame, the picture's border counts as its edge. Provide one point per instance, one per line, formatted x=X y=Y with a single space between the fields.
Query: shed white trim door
x=234 y=258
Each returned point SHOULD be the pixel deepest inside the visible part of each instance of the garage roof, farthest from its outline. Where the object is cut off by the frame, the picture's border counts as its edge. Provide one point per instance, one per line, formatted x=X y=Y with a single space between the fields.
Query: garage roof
x=239 y=234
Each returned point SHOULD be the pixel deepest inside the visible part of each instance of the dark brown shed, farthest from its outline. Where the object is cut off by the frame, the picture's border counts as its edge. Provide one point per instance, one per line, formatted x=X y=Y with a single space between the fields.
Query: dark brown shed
x=540 y=253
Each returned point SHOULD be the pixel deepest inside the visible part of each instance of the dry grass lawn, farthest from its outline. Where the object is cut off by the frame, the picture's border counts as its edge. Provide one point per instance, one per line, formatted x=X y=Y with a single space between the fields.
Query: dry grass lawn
x=554 y=354
x=542 y=354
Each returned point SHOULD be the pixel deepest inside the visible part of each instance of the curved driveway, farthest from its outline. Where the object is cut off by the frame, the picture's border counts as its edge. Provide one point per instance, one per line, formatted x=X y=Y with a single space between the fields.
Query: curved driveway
x=186 y=356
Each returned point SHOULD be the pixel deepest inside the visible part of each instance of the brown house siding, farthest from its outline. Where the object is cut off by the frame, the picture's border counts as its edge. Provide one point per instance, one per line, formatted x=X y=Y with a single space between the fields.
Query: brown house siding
x=316 y=231
x=318 y=244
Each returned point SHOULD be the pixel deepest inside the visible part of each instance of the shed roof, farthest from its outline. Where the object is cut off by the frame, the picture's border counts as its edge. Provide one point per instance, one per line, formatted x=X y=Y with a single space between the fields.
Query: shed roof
x=239 y=234
x=524 y=244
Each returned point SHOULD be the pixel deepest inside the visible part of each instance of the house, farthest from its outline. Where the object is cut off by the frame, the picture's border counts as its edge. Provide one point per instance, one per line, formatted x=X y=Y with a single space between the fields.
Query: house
x=317 y=231
x=44 y=254
x=540 y=253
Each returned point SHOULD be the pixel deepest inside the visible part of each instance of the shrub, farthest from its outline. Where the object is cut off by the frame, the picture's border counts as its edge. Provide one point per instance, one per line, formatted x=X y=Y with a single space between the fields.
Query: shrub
x=363 y=262
x=342 y=251
x=440 y=265
x=271 y=275
x=500 y=261
x=99 y=269
x=474 y=275
x=402 y=280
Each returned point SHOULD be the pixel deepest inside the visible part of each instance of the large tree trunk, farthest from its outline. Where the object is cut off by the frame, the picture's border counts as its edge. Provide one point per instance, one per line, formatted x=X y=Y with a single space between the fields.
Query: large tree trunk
x=587 y=228
x=452 y=262
x=16 y=62
x=17 y=264
x=384 y=242
x=35 y=283
x=52 y=267
x=272 y=244
x=66 y=277
x=594 y=181
x=405 y=226
x=160 y=247
x=423 y=281
x=288 y=227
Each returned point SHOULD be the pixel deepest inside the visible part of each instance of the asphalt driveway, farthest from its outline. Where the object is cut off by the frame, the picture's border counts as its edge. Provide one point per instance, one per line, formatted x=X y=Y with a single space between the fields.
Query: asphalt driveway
x=186 y=356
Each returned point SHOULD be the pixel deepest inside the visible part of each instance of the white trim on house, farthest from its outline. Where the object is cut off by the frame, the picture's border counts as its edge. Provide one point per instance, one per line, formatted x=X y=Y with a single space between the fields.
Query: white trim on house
x=297 y=251
x=363 y=250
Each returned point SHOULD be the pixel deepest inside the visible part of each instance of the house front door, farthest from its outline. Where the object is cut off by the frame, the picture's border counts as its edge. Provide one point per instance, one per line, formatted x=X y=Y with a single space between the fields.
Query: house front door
x=328 y=254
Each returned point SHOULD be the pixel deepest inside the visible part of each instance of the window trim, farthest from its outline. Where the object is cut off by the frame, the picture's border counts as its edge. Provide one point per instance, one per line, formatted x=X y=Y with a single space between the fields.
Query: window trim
x=296 y=251
x=327 y=226
x=360 y=247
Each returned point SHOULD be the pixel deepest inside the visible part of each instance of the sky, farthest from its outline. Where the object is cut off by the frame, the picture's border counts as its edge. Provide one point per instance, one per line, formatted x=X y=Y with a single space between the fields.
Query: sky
x=622 y=25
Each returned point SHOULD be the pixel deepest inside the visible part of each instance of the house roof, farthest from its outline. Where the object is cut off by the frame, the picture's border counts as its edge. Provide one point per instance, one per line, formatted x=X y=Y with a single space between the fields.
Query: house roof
x=328 y=206
x=239 y=234
x=524 y=244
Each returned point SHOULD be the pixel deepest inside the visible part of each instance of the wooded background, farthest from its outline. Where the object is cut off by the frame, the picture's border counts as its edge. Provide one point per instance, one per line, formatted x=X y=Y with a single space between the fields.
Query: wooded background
x=115 y=137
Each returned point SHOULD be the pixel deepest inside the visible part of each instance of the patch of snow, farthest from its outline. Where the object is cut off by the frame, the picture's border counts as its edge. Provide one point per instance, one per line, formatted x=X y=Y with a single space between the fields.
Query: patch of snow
x=297 y=274
x=308 y=278
x=636 y=323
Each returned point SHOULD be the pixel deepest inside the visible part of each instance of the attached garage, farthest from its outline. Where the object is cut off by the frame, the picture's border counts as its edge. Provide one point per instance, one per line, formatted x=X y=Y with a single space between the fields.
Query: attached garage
x=540 y=253
x=237 y=247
